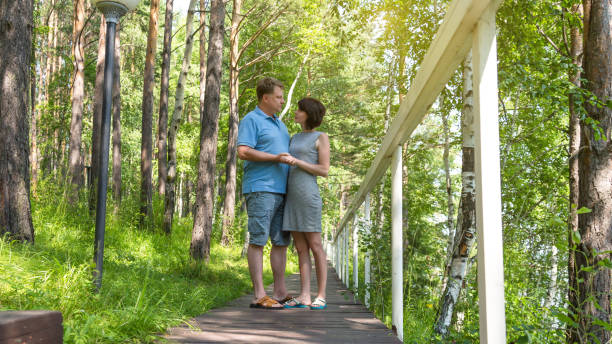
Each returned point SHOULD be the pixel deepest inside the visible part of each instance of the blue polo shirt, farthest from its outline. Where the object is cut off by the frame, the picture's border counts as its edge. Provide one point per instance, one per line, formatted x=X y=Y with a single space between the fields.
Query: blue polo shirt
x=266 y=134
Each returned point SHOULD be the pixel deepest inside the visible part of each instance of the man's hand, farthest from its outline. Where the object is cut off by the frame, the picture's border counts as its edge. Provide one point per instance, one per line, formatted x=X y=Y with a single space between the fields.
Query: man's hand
x=286 y=158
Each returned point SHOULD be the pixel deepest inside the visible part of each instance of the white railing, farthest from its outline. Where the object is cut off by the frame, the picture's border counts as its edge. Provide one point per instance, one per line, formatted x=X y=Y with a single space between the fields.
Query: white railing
x=468 y=24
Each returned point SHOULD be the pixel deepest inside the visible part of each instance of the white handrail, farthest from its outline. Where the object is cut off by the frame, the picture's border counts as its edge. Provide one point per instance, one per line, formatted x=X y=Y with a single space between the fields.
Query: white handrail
x=467 y=24
x=449 y=47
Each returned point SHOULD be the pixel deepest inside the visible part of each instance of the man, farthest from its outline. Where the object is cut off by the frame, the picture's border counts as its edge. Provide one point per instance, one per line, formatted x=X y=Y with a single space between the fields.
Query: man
x=262 y=140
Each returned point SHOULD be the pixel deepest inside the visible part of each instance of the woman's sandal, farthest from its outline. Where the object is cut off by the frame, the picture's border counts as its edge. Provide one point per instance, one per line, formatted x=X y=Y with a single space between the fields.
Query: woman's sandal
x=318 y=304
x=294 y=303
x=266 y=302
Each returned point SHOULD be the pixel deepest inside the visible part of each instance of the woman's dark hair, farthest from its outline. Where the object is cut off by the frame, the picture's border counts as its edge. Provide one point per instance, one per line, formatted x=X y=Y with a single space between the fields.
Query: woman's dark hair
x=315 y=111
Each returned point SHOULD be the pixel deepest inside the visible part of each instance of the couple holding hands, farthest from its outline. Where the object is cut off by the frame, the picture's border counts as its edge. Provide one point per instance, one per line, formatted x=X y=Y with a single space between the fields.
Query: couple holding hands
x=282 y=195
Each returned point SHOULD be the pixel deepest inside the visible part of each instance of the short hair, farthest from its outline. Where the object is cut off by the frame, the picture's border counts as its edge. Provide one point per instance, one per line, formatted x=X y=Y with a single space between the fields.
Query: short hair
x=266 y=86
x=315 y=111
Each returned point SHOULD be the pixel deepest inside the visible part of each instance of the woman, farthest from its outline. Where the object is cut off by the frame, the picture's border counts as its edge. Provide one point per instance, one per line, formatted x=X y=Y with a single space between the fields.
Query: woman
x=309 y=158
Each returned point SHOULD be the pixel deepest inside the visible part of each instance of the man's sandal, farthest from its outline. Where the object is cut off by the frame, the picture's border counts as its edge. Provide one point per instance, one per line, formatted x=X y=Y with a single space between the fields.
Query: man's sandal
x=285 y=299
x=294 y=303
x=266 y=302
x=318 y=304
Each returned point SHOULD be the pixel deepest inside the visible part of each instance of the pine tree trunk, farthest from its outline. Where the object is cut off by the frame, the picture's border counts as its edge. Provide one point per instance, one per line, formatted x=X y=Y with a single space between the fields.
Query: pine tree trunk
x=116 y=177
x=465 y=235
x=574 y=148
x=96 y=125
x=179 y=101
x=75 y=167
x=162 y=123
x=232 y=137
x=34 y=99
x=146 y=146
x=595 y=188
x=16 y=22
x=202 y=224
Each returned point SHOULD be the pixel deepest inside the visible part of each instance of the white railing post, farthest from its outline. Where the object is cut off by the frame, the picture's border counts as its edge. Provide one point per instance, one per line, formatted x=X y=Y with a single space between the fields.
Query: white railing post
x=366 y=267
x=488 y=183
x=397 y=281
x=336 y=257
x=356 y=256
x=341 y=248
x=346 y=255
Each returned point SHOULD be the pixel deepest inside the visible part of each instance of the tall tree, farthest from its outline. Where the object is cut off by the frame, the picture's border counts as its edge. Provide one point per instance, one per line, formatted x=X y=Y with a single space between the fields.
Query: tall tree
x=162 y=123
x=465 y=234
x=78 y=93
x=146 y=143
x=592 y=258
x=15 y=52
x=96 y=125
x=209 y=114
x=177 y=114
x=116 y=177
x=230 y=169
x=574 y=149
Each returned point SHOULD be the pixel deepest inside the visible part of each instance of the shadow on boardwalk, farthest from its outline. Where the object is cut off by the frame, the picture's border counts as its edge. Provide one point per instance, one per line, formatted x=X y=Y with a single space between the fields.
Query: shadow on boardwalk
x=344 y=321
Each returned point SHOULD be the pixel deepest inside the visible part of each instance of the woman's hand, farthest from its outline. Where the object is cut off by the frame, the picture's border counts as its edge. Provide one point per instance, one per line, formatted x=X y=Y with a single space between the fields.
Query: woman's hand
x=287 y=158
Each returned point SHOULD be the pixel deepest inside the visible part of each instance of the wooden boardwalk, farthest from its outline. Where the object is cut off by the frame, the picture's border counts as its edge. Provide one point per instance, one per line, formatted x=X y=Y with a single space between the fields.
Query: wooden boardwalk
x=344 y=321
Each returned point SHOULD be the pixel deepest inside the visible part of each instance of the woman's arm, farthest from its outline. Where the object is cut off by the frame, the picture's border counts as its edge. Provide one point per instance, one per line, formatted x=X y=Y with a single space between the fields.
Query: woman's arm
x=320 y=169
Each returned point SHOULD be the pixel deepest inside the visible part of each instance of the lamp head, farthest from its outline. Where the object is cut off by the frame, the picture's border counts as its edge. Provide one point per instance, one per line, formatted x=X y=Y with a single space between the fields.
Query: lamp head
x=114 y=9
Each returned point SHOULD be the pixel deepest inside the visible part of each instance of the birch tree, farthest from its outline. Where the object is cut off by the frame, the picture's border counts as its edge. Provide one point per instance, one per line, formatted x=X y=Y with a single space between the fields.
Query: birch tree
x=179 y=98
x=466 y=218
x=162 y=123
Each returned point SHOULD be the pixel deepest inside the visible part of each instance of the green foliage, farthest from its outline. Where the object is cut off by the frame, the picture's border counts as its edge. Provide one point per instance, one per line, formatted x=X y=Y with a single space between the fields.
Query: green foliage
x=149 y=283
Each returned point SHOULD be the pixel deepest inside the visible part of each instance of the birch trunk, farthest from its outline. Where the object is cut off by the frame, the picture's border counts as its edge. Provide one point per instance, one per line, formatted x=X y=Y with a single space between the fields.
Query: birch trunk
x=179 y=101
x=146 y=146
x=78 y=93
x=466 y=218
x=595 y=188
x=162 y=123
x=552 y=287
x=290 y=94
x=202 y=224
x=15 y=53
x=232 y=137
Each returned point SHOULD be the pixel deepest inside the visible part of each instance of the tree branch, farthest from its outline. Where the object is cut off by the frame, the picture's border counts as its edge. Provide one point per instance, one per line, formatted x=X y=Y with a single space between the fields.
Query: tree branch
x=261 y=29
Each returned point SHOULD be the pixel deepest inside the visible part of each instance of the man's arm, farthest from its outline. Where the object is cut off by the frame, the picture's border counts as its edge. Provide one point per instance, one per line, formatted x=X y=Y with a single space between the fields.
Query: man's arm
x=250 y=154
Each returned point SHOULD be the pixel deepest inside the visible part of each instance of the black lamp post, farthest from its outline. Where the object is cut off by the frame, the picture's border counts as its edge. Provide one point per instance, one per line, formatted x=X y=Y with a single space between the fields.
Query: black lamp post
x=112 y=10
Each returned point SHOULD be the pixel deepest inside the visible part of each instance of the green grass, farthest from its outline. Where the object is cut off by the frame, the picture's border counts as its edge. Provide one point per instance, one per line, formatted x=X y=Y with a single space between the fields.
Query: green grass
x=149 y=282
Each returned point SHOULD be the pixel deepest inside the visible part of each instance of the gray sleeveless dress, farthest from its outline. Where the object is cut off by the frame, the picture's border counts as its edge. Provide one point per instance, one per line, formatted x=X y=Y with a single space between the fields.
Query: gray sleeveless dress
x=303 y=202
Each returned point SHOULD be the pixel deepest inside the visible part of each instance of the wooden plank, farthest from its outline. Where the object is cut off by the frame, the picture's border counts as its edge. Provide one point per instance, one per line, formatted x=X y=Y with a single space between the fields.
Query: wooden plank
x=344 y=321
x=488 y=184
x=449 y=47
x=31 y=327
